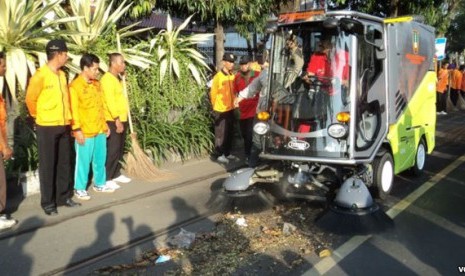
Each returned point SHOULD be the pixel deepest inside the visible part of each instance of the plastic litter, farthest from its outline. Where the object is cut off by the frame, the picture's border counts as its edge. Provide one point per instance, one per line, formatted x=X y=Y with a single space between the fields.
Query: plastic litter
x=288 y=229
x=241 y=222
x=162 y=259
x=183 y=239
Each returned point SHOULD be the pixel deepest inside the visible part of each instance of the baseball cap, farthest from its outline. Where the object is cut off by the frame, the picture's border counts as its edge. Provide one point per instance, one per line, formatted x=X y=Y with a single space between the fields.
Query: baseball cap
x=244 y=60
x=56 y=45
x=229 y=57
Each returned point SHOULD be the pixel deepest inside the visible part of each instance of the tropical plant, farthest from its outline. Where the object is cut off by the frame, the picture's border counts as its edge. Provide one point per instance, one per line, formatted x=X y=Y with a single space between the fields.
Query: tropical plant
x=170 y=116
x=23 y=36
x=170 y=46
x=97 y=20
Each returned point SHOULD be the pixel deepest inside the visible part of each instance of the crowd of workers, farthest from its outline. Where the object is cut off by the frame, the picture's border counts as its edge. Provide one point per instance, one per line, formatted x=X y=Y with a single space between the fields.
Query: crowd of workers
x=450 y=87
x=94 y=112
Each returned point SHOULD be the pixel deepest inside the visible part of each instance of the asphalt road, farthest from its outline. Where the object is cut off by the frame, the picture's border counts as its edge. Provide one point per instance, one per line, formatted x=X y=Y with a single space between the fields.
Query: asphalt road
x=428 y=237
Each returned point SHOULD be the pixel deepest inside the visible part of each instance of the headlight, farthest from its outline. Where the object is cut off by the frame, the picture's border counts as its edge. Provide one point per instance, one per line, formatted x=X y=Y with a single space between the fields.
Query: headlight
x=338 y=131
x=261 y=128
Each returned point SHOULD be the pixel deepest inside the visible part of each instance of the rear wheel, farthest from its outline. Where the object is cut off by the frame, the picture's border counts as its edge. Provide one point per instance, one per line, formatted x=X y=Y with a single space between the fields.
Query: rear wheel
x=383 y=175
x=420 y=159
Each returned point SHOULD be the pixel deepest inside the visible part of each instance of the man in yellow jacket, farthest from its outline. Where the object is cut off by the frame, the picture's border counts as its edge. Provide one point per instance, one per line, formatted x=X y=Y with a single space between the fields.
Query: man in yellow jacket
x=47 y=99
x=116 y=114
x=222 y=100
x=5 y=153
x=89 y=128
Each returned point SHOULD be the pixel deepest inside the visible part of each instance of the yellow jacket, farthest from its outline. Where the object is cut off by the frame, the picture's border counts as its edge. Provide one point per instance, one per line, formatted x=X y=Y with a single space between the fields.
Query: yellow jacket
x=222 y=92
x=116 y=104
x=87 y=107
x=47 y=98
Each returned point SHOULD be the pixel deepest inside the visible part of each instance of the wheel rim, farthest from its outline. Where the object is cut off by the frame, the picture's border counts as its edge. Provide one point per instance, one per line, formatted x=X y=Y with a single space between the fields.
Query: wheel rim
x=387 y=176
x=421 y=156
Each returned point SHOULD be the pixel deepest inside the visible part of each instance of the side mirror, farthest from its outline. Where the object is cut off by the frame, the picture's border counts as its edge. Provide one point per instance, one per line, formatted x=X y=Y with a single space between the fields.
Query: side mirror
x=380 y=53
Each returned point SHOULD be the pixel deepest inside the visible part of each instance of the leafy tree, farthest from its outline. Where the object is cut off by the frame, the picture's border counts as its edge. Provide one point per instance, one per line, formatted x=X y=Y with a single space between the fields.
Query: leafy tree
x=437 y=13
x=243 y=14
x=455 y=35
x=139 y=8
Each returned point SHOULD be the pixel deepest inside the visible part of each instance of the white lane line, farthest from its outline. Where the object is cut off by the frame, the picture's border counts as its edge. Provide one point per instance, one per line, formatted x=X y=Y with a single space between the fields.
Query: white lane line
x=344 y=250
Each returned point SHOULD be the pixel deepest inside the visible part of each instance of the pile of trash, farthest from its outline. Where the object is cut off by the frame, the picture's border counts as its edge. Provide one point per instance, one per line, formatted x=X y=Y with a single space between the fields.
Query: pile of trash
x=276 y=240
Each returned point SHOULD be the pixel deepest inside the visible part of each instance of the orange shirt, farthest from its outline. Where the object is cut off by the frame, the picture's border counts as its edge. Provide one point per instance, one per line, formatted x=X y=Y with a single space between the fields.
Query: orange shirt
x=456 y=79
x=462 y=86
x=443 y=80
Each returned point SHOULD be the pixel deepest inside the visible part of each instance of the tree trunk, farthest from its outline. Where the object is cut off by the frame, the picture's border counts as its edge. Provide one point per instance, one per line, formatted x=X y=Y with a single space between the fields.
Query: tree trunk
x=219 y=44
x=394 y=8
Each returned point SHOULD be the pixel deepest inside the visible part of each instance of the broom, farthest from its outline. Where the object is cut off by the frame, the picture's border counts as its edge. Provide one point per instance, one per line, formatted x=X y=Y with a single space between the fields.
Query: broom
x=138 y=164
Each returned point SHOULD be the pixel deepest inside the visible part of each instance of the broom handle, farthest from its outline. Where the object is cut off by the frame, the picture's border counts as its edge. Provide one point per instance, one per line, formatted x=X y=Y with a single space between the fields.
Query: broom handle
x=125 y=92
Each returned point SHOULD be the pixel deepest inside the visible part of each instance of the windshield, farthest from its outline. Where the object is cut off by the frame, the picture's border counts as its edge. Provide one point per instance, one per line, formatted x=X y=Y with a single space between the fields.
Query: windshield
x=310 y=80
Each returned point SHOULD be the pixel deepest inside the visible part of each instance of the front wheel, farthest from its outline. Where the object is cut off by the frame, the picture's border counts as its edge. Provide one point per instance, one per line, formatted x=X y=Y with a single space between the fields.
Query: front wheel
x=383 y=175
x=420 y=159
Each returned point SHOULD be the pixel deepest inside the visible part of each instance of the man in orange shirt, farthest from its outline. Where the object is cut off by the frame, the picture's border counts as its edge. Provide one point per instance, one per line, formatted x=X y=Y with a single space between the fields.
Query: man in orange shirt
x=47 y=99
x=455 y=85
x=5 y=153
x=462 y=85
x=441 y=89
x=222 y=100
x=89 y=127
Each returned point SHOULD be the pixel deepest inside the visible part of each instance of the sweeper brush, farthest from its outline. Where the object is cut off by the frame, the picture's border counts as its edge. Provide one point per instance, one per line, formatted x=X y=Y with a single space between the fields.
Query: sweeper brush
x=353 y=212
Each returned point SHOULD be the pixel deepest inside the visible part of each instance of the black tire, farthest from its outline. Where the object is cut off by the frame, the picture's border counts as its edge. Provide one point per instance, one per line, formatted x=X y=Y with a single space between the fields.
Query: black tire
x=420 y=159
x=383 y=175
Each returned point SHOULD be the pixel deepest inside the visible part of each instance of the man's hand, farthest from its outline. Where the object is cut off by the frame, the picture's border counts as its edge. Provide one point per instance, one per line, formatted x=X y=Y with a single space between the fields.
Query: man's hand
x=119 y=126
x=7 y=153
x=79 y=136
x=237 y=101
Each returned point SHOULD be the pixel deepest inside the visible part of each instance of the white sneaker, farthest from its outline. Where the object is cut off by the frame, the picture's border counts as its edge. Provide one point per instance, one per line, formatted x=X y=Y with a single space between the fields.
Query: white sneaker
x=112 y=184
x=122 y=179
x=232 y=157
x=6 y=223
x=222 y=159
x=443 y=113
x=81 y=194
x=103 y=189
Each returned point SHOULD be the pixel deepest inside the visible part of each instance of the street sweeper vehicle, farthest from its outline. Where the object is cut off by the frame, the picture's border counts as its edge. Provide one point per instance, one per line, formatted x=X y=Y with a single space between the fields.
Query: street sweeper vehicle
x=349 y=108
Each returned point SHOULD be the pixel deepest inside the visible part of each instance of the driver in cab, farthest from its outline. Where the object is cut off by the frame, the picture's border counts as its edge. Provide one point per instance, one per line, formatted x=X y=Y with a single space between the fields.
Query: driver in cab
x=327 y=63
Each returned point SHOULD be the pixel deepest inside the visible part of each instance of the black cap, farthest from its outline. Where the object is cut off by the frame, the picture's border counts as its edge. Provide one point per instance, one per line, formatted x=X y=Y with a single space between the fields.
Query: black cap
x=229 y=57
x=56 y=45
x=244 y=60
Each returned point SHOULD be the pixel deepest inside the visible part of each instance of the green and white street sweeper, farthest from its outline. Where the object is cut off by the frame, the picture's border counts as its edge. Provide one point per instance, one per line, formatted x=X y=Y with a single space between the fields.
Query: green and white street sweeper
x=360 y=110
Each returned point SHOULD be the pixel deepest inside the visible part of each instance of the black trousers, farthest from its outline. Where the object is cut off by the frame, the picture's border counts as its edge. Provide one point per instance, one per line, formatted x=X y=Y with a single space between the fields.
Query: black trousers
x=441 y=100
x=55 y=173
x=115 y=150
x=454 y=95
x=246 y=126
x=224 y=127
